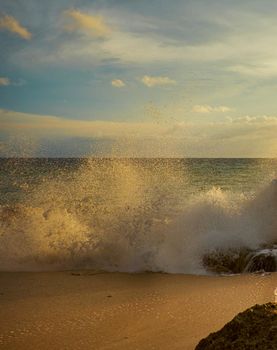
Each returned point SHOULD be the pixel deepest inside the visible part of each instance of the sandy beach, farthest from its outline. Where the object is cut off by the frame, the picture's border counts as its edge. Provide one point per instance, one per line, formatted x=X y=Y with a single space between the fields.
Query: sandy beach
x=87 y=310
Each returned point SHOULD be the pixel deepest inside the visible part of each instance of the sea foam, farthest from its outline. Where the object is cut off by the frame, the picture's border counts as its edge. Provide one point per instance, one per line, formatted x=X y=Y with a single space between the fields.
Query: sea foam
x=122 y=217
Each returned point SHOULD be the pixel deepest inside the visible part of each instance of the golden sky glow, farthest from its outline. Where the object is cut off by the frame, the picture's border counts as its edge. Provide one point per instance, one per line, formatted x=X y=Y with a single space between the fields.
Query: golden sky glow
x=10 y=24
x=93 y=25
x=200 y=73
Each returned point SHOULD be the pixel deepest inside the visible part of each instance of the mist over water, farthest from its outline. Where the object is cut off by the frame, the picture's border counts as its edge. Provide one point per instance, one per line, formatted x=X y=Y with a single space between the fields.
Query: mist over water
x=133 y=214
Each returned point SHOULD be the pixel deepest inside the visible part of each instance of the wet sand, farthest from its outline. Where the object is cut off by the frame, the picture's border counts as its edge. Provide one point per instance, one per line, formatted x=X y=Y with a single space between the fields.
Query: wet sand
x=61 y=310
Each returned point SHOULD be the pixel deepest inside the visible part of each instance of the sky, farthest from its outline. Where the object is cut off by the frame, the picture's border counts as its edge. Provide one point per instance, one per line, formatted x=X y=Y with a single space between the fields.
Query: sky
x=180 y=78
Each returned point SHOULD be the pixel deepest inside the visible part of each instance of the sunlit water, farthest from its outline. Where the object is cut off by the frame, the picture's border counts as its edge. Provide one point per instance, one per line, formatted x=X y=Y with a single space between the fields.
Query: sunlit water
x=170 y=215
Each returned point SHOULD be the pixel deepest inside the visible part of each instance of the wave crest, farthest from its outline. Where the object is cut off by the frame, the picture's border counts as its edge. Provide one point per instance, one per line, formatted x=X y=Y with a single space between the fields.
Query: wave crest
x=124 y=218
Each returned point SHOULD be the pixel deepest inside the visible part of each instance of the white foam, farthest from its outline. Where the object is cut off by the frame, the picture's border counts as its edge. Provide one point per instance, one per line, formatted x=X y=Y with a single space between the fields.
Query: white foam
x=125 y=219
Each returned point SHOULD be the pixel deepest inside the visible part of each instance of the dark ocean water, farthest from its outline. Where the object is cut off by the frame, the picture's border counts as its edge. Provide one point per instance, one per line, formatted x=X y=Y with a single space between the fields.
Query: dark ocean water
x=171 y=215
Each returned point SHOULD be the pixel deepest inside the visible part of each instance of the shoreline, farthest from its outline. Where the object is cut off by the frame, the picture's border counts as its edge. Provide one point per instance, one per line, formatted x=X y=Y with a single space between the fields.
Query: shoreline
x=101 y=310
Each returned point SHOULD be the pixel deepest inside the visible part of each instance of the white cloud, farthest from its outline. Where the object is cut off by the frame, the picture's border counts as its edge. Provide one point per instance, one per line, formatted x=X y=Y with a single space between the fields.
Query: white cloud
x=265 y=68
x=4 y=81
x=118 y=83
x=206 y=109
x=120 y=46
x=151 y=81
x=12 y=25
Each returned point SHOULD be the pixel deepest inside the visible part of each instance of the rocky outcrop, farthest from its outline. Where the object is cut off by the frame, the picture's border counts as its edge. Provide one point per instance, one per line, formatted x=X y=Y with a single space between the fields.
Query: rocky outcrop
x=265 y=259
x=226 y=260
x=241 y=260
x=255 y=328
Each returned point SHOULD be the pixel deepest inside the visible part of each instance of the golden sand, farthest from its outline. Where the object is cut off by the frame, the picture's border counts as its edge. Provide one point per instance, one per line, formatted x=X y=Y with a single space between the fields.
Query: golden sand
x=86 y=310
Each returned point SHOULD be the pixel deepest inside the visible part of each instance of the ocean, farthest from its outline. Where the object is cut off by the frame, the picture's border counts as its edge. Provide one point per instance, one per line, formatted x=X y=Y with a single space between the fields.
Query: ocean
x=195 y=216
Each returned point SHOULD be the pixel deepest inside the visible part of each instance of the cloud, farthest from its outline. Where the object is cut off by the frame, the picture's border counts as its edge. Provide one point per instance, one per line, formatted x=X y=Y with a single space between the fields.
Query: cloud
x=151 y=81
x=122 y=43
x=44 y=124
x=12 y=25
x=247 y=136
x=206 y=109
x=127 y=48
x=119 y=43
x=261 y=69
x=4 y=81
x=118 y=83
x=243 y=44
x=81 y=21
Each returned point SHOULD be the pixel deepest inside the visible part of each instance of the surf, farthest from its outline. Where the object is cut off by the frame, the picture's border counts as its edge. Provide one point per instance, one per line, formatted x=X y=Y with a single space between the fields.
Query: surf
x=120 y=216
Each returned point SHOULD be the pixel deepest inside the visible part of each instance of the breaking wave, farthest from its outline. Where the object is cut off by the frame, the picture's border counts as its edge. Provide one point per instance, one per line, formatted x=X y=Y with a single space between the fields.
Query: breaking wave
x=122 y=217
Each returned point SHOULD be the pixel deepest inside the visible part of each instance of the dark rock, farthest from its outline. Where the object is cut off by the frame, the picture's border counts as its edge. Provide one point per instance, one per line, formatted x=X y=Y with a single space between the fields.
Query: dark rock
x=226 y=260
x=265 y=259
x=75 y=274
x=240 y=260
x=255 y=328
